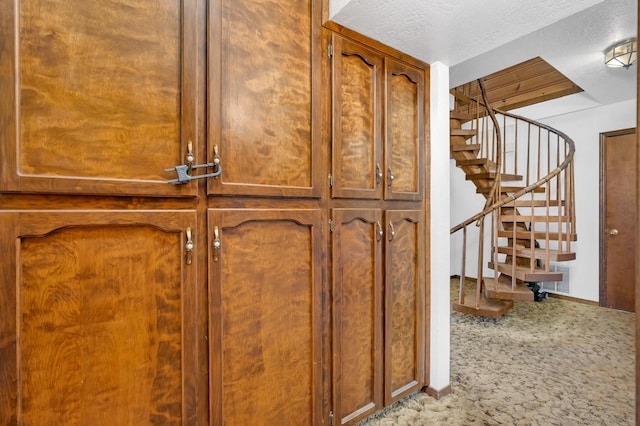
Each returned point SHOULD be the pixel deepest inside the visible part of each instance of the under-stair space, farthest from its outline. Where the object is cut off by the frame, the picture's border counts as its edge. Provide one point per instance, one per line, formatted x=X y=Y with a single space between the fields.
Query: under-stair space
x=524 y=169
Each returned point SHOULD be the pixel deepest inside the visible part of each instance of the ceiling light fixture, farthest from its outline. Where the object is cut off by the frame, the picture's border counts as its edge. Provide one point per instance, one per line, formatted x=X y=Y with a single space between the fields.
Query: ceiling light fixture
x=622 y=54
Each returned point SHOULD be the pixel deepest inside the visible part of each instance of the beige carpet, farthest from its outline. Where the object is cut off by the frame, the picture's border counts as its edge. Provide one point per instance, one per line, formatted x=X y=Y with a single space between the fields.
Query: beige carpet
x=554 y=362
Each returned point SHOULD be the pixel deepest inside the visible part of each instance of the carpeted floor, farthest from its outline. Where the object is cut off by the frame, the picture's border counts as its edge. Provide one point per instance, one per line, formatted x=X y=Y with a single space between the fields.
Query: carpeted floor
x=554 y=362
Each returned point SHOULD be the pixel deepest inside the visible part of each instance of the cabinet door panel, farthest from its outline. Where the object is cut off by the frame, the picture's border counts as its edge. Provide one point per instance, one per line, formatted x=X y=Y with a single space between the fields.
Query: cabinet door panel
x=98 y=318
x=96 y=97
x=404 y=304
x=357 y=334
x=357 y=126
x=404 y=152
x=264 y=104
x=265 y=293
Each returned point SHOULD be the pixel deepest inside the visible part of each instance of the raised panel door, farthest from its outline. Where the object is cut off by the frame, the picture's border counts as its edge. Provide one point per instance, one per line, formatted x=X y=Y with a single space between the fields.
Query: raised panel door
x=356 y=160
x=264 y=97
x=405 y=346
x=97 y=97
x=404 y=131
x=357 y=314
x=265 y=288
x=97 y=318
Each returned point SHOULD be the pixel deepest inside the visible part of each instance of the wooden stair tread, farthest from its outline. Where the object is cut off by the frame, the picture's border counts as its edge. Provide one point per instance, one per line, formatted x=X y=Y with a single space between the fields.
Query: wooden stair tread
x=534 y=203
x=487 y=307
x=505 y=189
x=503 y=290
x=492 y=175
x=467 y=133
x=539 y=253
x=524 y=273
x=524 y=218
x=472 y=162
x=526 y=235
x=464 y=116
x=465 y=147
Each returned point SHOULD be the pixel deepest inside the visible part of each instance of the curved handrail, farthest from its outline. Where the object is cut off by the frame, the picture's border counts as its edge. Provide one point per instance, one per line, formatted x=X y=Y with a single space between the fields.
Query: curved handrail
x=496 y=126
x=509 y=198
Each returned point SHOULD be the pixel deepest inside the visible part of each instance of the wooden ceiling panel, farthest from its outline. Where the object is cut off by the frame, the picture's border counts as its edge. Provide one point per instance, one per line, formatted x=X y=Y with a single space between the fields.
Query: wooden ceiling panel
x=521 y=85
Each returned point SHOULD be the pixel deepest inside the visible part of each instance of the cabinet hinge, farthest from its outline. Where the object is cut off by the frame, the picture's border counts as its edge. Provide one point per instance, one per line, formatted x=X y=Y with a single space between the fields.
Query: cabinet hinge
x=330 y=50
x=330 y=225
x=330 y=418
x=330 y=181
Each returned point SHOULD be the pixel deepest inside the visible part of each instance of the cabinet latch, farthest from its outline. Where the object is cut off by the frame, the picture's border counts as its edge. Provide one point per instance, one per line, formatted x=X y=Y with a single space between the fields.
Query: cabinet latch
x=184 y=170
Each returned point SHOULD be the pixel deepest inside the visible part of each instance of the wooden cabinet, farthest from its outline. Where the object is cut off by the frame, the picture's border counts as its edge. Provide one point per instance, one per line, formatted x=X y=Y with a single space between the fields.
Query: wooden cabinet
x=96 y=98
x=379 y=309
x=378 y=125
x=404 y=307
x=357 y=278
x=97 y=318
x=404 y=131
x=128 y=300
x=378 y=239
x=358 y=82
x=266 y=328
x=264 y=100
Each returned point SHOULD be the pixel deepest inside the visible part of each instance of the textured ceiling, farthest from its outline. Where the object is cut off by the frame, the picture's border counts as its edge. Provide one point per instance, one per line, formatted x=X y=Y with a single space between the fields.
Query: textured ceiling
x=451 y=31
x=477 y=38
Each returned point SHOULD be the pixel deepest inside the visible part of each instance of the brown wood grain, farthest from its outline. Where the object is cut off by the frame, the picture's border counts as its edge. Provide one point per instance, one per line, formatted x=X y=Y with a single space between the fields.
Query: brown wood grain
x=265 y=102
x=523 y=84
x=619 y=213
x=104 y=316
x=404 y=304
x=101 y=101
x=357 y=290
x=265 y=319
x=357 y=106
x=404 y=131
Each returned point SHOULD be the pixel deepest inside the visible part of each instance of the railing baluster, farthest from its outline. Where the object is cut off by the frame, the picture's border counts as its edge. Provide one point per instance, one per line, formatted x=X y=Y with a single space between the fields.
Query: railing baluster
x=528 y=153
x=515 y=149
x=539 y=147
x=480 y=263
x=464 y=266
x=548 y=224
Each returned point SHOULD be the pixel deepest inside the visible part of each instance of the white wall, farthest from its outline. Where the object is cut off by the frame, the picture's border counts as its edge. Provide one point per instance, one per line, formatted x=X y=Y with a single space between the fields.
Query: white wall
x=584 y=127
x=439 y=261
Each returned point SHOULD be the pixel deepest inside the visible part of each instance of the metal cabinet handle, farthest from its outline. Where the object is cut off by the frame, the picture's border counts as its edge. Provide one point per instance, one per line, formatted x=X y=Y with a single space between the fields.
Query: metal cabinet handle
x=217 y=244
x=379 y=231
x=189 y=246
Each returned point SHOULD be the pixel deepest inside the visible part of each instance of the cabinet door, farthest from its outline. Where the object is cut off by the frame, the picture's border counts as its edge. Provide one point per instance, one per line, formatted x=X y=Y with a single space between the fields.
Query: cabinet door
x=266 y=329
x=357 y=323
x=404 y=145
x=405 y=347
x=264 y=103
x=357 y=125
x=96 y=97
x=97 y=318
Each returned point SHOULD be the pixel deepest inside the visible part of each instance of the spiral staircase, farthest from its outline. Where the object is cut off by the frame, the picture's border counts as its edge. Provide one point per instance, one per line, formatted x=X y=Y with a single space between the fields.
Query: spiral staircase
x=524 y=169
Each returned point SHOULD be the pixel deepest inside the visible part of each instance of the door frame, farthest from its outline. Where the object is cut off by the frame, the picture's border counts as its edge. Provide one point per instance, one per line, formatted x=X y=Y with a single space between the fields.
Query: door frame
x=603 y=213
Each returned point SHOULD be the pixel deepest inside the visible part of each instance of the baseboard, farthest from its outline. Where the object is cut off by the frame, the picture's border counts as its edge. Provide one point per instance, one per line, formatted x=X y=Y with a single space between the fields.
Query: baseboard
x=573 y=299
x=437 y=394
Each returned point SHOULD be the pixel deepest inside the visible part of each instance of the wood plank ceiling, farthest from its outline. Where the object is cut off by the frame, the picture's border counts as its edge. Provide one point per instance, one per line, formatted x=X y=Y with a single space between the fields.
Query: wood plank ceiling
x=523 y=84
